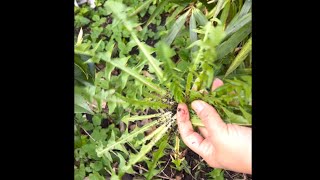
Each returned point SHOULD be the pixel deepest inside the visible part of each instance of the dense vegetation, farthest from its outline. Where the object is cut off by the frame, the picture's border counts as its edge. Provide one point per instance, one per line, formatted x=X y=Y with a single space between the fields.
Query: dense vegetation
x=135 y=60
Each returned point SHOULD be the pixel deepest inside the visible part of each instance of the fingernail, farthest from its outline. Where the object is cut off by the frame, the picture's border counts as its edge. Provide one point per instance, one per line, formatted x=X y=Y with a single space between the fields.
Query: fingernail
x=197 y=106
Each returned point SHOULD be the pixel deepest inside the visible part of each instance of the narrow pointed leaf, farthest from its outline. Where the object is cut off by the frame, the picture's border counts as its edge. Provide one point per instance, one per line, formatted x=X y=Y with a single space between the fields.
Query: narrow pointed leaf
x=244 y=52
x=176 y=27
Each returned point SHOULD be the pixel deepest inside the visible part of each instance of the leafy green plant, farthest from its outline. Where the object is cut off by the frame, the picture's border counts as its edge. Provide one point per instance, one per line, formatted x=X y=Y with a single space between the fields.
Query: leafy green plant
x=216 y=174
x=133 y=66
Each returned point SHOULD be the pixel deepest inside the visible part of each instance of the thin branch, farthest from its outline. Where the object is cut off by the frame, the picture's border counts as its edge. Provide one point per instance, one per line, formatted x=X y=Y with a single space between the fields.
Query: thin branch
x=88 y=134
x=197 y=164
x=229 y=174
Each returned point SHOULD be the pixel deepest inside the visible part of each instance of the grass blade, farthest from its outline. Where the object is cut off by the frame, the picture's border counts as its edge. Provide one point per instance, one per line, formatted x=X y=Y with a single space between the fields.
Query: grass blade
x=229 y=45
x=238 y=24
x=245 y=51
x=245 y=8
x=176 y=28
x=225 y=13
x=234 y=118
x=219 y=6
x=200 y=17
x=193 y=34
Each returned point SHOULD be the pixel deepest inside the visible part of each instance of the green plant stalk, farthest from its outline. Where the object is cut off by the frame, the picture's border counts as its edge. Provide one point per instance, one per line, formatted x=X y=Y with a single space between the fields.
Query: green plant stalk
x=198 y=58
x=199 y=55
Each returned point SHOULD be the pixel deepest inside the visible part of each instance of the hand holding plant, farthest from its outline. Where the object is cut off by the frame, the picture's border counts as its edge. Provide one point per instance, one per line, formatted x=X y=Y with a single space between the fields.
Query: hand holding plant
x=221 y=145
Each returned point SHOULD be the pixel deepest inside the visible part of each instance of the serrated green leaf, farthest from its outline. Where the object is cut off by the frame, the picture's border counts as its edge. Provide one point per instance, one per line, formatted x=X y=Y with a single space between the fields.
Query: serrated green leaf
x=234 y=118
x=153 y=62
x=146 y=148
x=140 y=78
x=125 y=138
x=172 y=78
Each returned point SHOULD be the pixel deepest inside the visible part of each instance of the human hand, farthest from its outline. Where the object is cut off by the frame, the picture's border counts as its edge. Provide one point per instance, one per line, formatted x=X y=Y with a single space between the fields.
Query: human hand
x=226 y=146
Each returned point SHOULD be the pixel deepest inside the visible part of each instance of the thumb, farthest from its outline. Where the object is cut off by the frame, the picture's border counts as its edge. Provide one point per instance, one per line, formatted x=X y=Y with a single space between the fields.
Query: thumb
x=209 y=117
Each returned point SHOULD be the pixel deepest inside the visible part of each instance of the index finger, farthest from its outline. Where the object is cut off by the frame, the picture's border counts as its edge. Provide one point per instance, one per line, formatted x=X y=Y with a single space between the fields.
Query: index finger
x=216 y=83
x=191 y=138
